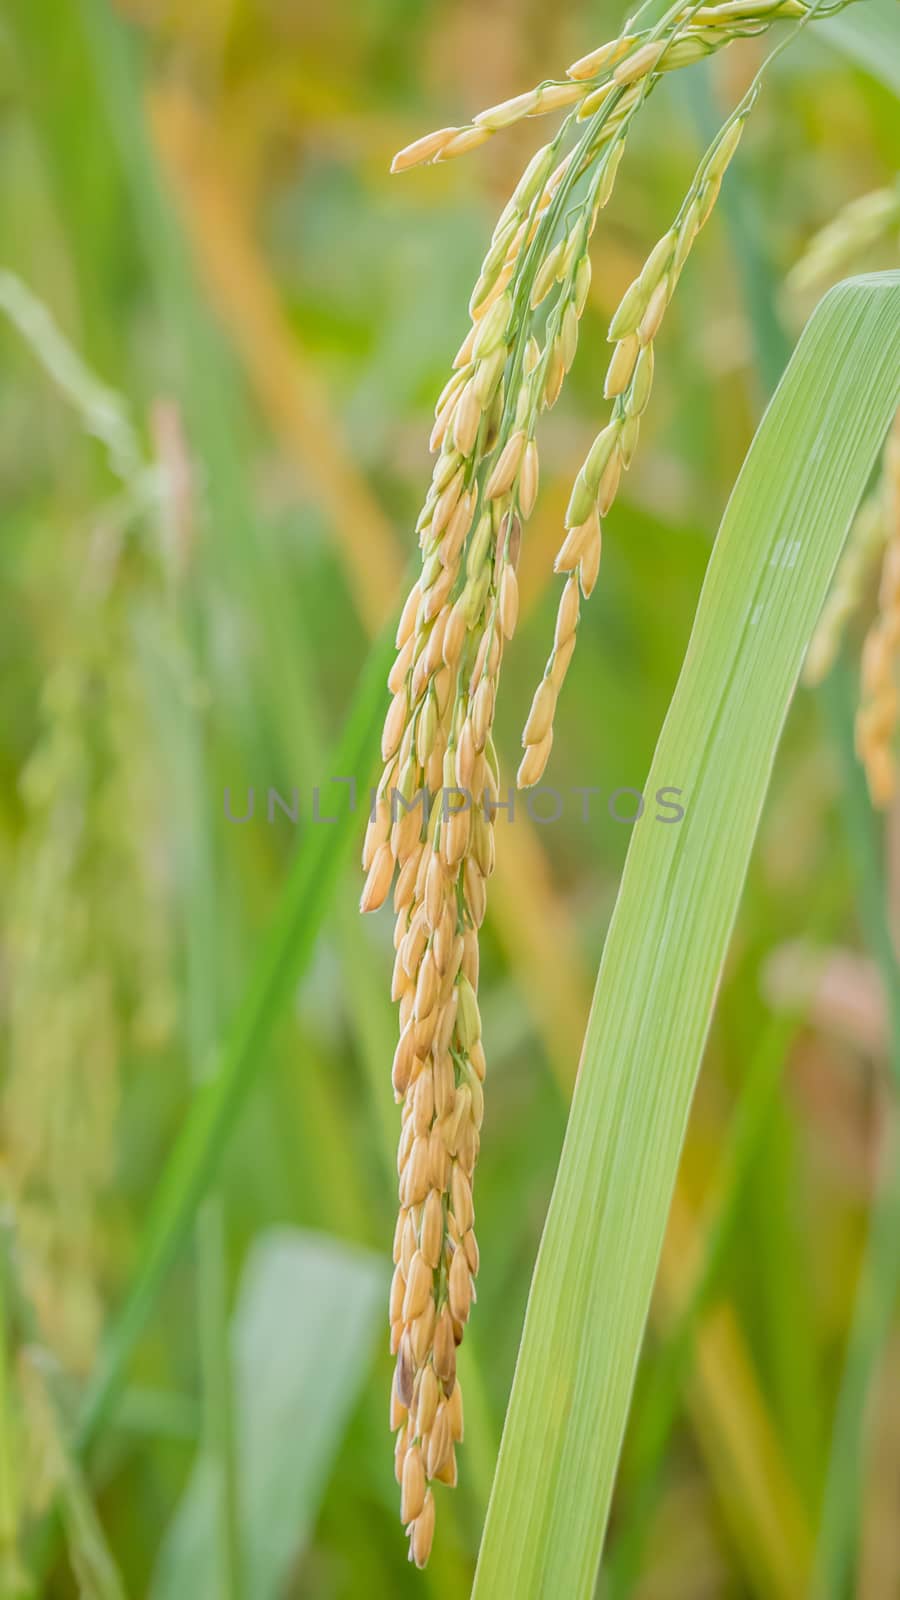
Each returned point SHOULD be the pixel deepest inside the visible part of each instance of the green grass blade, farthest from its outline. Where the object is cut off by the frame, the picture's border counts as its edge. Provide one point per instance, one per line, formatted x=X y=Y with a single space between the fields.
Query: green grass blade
x=838 y=702
x=873 y=1315
x=306 y=1319
x=204 y=1135
x=879 y=1277
x=12 y=1578
x=651 y=1429
x=776 y=551
x=673 y=1364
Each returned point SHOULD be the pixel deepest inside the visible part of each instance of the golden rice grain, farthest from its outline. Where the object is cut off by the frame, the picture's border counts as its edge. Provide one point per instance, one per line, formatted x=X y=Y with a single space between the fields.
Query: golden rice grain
x=424 y=149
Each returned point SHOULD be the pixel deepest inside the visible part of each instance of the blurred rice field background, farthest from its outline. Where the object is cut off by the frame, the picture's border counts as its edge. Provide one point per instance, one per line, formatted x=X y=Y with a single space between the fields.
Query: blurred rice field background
x=223 y=328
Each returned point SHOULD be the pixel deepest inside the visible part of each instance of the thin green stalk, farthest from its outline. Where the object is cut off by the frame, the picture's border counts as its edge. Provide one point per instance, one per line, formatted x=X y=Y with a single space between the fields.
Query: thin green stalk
x=838 y=702
x=86 y=187
x=879 y=1277
x=284 y=955
x=876 y=1300
x=218 y=1388
x=204 y=984
x=158 y=1414
x=10 y=1573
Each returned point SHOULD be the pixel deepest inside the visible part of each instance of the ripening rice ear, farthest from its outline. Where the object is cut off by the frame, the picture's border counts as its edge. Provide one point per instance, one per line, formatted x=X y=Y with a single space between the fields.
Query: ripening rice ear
x=461 y=616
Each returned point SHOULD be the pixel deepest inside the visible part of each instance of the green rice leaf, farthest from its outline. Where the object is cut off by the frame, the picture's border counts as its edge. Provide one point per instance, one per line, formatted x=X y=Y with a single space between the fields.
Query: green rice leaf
x=776 y=551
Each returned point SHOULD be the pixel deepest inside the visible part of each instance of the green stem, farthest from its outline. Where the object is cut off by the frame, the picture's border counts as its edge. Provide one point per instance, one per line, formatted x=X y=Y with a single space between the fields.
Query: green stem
x=879 y=1277
x=204 y=983
x=879 y=1284
x=218 y=1388
x=838 y=703
x=284 y=955
x=9 y=1559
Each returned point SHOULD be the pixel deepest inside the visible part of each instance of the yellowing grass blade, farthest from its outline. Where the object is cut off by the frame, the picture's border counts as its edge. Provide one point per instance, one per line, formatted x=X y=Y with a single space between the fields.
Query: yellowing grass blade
x=774 y=556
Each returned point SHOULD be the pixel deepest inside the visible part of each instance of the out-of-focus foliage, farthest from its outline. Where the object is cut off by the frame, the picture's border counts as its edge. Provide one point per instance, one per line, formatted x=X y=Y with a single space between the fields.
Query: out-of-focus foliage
x=199 y=197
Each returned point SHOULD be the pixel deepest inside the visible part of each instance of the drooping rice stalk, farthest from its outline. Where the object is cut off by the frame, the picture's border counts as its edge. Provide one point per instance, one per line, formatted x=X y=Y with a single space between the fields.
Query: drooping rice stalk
x=432 y=820
x=871 y=220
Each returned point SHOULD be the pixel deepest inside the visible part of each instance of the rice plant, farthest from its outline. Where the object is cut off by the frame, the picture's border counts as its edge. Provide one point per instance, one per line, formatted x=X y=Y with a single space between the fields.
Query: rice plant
x=223 y=325
x=461 y=613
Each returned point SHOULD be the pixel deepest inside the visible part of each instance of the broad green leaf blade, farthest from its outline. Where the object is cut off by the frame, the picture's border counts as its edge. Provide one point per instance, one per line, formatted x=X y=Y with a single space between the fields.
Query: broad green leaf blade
x=306 y=1318
x=769 y=573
